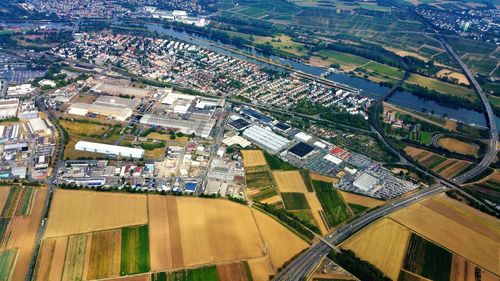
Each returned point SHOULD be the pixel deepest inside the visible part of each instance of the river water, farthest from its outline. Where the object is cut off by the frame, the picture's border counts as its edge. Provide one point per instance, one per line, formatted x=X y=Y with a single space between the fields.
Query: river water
x=368 y=88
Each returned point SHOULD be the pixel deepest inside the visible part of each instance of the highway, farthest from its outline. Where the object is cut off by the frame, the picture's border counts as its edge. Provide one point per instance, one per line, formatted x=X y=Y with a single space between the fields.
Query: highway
x=305 y=263
x=300 y=267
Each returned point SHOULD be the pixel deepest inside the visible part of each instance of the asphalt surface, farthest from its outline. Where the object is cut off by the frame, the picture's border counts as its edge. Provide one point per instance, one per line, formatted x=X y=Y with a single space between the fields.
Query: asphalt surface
x=51 y=182
x=300 y=267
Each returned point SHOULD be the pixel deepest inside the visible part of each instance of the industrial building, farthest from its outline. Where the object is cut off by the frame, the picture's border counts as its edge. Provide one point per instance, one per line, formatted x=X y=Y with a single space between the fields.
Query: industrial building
x=8 y=108
x=365 y=182
x=236 y=140
x=116 y=150
x=39 y=126
x=182 y=104
x=301 y=150
x=199 y=128
x=115 y=107
x=123 y=90
x=265 y=138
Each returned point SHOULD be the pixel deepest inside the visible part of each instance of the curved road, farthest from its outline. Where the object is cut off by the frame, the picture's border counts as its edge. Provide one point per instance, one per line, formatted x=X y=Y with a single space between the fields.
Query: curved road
x=300 y=267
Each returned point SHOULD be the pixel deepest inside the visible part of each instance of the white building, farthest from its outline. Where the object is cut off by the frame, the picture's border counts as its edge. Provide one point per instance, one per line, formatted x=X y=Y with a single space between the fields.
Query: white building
x=8 y=108
x=365 y=182
x=116 y=150
x=265 y=138
x=114 y=107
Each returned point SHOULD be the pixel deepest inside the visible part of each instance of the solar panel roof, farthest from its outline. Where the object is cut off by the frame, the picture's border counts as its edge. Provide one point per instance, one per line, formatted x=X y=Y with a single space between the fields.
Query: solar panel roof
x=301 y=149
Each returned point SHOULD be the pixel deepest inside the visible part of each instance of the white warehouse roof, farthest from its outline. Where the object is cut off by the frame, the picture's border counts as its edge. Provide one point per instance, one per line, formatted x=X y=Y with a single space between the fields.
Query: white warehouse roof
x=365 y=182
x=236 y=140
x=265 y=138
x=109 y=149
x=303 y=137
x=333 y=159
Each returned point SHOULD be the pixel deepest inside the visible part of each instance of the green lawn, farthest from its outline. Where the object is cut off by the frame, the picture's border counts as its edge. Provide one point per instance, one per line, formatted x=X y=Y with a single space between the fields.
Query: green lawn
x=332 y=202
x=135 y=250
x=294 y=201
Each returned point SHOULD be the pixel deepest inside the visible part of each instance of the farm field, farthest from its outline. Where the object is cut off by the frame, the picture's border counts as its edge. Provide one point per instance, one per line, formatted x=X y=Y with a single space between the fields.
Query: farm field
x=458 y=146
x=366 y=201
x=20 y=232
x=50 y=261
x=253 y=158
x=134 y=250
x=7 y=264
x=234 y=271
x=295 y=201
x=453 y=225
x=86 y=211
x=4 y=193
x=290 y=181
x=383 y=244
x=442 y=87
x=464 y=270
x=336 y=210
x=75 y=256
x=454 y=75
x=346 y=61
x=105 y=253
x=446 y=167
x=427 y=259
x=317 y=211
x=260 y=185
x=317 y=177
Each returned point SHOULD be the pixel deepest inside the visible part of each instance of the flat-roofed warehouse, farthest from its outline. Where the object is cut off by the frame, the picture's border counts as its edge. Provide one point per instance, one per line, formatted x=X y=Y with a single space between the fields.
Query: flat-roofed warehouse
x=115 y=107
x=198 y=127
x=125 y=90
x=265 y=138
x=365 y=182
x=109 y=149
x=301 y=149
x=8 y=108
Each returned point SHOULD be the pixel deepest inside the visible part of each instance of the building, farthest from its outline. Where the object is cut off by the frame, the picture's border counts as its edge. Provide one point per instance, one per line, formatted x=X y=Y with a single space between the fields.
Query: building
x=301 y=136
x=365 y=182
x=114 y=107
x=265 y=138
x=116 y=150
x=236 y=140
x=301 y=150
x=38 y=126
x=8 y=108
x=198 y=127
x=20 y=90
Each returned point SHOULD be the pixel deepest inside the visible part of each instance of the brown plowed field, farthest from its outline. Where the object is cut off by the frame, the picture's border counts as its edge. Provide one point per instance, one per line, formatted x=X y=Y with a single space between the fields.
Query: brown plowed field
x=4 y=192
x=232 y=272
x=57 y=266
x=74 y=211
x=318 y=177
x=454 y=169
x=459 y=146
x=361 y=200
x=144 y=277
x=44 y=261
x=464 y=270
x=164 y=233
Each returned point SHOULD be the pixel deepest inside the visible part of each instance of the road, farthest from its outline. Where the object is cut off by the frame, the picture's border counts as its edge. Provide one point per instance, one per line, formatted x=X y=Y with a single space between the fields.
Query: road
x=300 y=267
x=51 y=182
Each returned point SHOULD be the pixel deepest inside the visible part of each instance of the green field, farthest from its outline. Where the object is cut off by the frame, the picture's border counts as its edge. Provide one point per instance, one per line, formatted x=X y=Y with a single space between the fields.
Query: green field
x=427 y=259
x=343 y=58
x=7 y=260
x=207 y=273
x=26 y=202
x=442 y=87
x=10 y=203
x=435 y=164
x=307 y=180
x=135 y=250
x=332 y=202
x=357 y=208
x=276 y=163
x=425 y=137
x=294 y=201
x=384 y=70
x=4 y=222
x=260 y=178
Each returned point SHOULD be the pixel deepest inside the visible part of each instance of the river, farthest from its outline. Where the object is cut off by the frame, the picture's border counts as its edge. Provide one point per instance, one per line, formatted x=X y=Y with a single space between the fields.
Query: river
x=368 y=88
